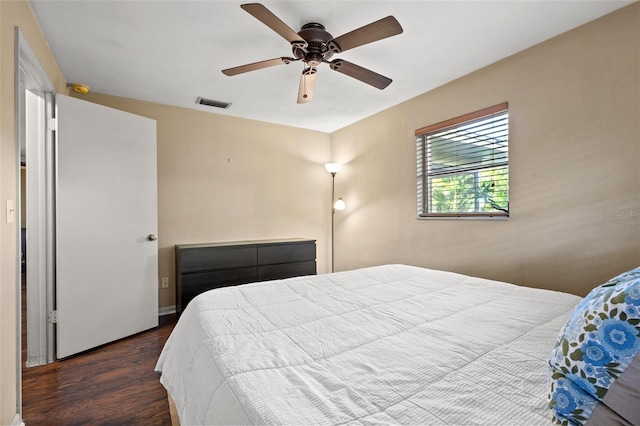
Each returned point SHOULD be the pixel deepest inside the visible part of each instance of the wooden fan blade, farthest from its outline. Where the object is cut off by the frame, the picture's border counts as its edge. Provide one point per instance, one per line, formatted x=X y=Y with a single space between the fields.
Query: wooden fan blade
x=257 y=66
x=362 y=74
x=307 y=83
x=385 y=27
x=265 y=16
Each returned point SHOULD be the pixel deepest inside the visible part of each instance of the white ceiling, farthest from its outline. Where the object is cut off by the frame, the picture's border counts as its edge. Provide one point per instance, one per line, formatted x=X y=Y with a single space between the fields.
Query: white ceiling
x=172 y=52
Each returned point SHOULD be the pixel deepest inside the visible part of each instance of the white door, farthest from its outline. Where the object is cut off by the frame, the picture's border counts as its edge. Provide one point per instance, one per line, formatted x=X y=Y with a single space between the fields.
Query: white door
x=106 y=221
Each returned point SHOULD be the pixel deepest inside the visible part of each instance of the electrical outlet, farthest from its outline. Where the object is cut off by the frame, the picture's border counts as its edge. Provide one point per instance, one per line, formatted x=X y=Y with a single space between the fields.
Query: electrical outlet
x=165 y=282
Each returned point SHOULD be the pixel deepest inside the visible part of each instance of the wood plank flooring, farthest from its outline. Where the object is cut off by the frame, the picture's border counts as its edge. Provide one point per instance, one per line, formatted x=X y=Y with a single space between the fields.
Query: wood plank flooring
x=112 y=385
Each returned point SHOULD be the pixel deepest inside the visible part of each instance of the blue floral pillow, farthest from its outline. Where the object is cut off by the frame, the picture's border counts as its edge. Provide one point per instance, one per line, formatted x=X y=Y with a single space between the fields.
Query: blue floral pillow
x=595 y=348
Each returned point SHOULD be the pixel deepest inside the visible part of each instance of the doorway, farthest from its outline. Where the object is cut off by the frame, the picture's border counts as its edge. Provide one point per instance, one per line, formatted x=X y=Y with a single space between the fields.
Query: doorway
x=34 y=97
x=90 y=247
x=36 y=231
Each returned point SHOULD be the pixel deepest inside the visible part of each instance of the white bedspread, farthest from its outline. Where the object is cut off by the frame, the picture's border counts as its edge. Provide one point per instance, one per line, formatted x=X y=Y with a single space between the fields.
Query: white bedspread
x=390 y=344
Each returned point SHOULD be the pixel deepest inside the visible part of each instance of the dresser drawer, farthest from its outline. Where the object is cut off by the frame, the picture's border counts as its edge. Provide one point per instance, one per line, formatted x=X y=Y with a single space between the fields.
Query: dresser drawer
x=193 y=284
x=284 y=253
x=286 y=270
x=203 y=259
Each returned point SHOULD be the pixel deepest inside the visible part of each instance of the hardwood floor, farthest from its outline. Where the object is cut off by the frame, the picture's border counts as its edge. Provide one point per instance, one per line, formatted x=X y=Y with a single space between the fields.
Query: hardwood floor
x=112 y=385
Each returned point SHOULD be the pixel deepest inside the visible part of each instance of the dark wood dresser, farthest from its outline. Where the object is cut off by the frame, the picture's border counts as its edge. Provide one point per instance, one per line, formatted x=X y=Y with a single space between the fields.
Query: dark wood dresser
x=202 y=267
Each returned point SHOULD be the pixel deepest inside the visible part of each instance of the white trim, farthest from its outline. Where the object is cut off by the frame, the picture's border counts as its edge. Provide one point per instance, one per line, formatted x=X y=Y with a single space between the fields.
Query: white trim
x=30 y=64
x=478 y=217
x=29 y=75
x=50 y=226
x=167 y=310
x=32 y=77
x=17 y=421
x=36 y=232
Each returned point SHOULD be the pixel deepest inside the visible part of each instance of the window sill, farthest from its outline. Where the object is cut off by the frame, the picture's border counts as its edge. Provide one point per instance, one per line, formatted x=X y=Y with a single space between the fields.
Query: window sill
x=463 y=216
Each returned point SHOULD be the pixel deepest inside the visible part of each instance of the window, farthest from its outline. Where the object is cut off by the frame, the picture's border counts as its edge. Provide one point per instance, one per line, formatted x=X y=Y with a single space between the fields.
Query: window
x=463 y=166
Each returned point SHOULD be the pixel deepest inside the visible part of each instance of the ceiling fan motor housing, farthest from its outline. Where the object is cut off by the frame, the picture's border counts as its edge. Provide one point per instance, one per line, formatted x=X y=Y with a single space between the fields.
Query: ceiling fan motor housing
x=318 y=47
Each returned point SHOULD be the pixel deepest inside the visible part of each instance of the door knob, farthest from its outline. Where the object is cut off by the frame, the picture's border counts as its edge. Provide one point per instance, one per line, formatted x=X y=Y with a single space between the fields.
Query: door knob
x=152 y=237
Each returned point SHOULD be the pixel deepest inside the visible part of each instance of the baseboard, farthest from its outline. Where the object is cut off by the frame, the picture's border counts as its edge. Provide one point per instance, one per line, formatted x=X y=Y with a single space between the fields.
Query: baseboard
x=17 y=421
x=167 y=310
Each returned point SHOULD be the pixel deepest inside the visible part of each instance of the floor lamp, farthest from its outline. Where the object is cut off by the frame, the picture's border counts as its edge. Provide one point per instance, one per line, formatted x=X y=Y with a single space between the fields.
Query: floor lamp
x=339 y=204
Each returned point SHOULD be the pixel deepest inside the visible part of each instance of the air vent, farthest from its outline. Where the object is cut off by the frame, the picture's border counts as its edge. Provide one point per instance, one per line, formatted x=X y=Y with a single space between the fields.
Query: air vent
x=212 y=103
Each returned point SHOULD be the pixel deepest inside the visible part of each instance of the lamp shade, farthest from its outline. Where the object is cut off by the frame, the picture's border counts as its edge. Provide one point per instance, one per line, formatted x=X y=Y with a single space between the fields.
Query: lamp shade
x=339 y=204
x=333 y=167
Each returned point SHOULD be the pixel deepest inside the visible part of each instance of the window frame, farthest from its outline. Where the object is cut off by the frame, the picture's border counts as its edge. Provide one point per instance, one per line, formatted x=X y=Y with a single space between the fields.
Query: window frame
x=423 y=189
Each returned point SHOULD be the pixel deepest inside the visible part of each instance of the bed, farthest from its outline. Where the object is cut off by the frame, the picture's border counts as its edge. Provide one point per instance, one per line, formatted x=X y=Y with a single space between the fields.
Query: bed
x=391 y=344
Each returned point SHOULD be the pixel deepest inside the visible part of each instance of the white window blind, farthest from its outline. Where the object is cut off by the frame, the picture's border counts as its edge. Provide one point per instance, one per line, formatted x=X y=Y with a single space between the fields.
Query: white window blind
x=463 y=165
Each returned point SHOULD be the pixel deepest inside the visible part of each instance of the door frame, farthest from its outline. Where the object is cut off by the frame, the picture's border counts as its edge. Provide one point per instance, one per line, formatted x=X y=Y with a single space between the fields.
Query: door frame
x=29 y=75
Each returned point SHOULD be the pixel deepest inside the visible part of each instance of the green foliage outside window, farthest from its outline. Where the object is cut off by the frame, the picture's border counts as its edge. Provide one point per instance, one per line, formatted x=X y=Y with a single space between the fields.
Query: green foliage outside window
x=480 y=191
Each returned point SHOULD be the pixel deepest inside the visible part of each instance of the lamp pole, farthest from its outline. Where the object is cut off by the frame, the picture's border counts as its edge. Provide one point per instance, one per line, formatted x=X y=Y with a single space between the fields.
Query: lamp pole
x=333 y=168
x=333 y=213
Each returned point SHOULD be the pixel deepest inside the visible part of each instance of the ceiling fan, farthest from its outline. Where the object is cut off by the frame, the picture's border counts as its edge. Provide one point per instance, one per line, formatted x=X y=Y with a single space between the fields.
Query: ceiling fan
x=313 y=45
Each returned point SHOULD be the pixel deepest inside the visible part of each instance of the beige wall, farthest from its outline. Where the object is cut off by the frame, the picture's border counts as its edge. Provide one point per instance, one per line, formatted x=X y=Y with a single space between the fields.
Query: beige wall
x=13 y=13
x=574 y=155
x=224 y=179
